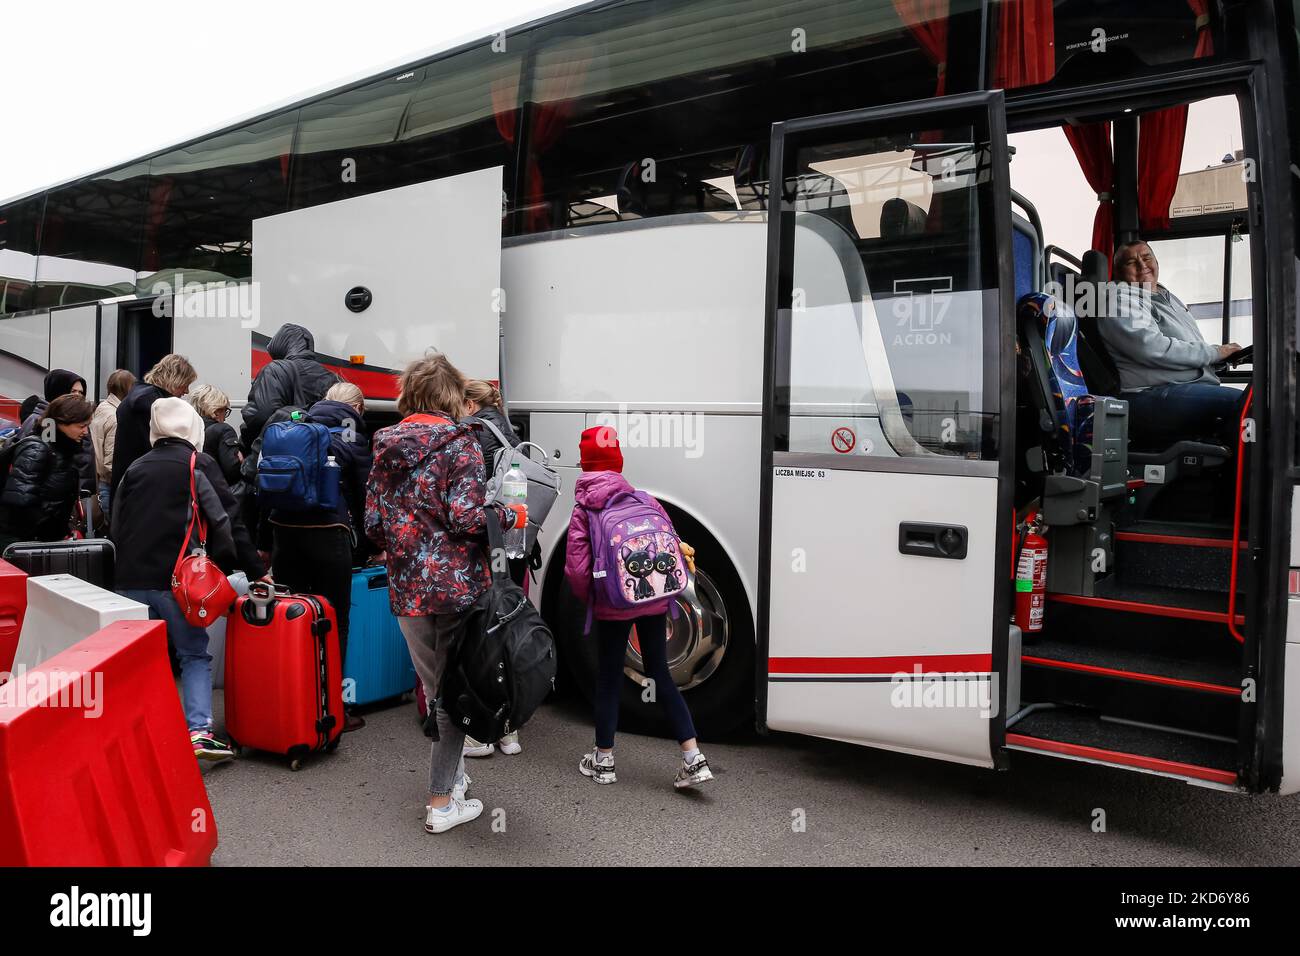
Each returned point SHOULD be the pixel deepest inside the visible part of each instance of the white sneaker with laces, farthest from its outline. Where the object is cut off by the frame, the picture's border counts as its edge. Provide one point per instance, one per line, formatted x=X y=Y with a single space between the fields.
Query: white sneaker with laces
x=457 y=812
x=460 y=788
x=599 y=768
x=509 y=744
x=696 y=773
x=475 y=749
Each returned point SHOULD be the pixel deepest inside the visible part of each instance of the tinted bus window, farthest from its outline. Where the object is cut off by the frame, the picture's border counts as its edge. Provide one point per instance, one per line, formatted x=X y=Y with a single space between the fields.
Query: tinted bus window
x=20 y=227
x=90 y=239
x=895 y=322
x=651 y=109
x=1095 y=41
x=202 y=199
x=452 y=116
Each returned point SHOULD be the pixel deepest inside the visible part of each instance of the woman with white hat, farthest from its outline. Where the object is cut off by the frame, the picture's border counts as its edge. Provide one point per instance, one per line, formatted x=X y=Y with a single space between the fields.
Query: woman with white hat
x=151 y=512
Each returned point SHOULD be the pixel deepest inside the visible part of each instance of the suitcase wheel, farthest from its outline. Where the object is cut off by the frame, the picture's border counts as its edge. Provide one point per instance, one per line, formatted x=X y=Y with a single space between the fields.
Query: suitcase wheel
x=333 y=745
x=295 y=764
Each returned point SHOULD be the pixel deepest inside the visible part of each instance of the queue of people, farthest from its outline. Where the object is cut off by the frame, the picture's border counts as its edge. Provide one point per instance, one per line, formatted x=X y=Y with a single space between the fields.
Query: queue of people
x=414 y=498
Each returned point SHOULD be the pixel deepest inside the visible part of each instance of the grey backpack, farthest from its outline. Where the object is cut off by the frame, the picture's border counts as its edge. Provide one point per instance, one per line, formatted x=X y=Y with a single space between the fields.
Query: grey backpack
x=543 y=480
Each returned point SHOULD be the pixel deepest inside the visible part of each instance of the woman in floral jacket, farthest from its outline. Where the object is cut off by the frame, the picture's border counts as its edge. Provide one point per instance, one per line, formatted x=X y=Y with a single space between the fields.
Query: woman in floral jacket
x=425 y=510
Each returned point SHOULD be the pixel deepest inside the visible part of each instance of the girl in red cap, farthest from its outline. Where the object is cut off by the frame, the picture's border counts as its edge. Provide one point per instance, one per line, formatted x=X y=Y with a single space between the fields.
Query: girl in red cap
x=600 y=485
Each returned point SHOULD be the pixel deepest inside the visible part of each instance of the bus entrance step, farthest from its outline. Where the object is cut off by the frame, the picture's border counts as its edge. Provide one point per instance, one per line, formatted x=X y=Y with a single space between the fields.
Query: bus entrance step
x=1081 y=735
x=1195 y=557
x=1113 y=595
x=1216 y=671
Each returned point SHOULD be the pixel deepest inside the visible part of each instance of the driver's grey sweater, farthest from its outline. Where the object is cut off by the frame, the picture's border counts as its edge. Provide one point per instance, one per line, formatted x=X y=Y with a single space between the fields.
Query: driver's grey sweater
x=1154 y=340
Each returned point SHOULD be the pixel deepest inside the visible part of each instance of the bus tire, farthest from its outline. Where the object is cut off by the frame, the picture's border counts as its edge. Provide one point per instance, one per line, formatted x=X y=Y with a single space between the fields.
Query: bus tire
x=721 y=695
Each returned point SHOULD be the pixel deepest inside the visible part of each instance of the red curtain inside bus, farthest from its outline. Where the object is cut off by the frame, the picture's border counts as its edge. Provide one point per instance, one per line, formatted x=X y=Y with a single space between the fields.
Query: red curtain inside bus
x=556 y=102
x=1026 y=44
x=928 y=22
x=1091 y=144
x=1160 y=155
x=1204 y=38
x=160 y=191
x=1160 y=141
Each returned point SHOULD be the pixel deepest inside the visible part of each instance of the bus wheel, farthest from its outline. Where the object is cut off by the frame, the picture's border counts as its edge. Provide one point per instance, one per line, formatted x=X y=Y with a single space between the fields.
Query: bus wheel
x=710 y=649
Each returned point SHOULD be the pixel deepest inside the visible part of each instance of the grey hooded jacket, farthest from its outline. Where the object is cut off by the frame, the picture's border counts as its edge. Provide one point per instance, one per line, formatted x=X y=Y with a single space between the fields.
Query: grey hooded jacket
x=1154 y=340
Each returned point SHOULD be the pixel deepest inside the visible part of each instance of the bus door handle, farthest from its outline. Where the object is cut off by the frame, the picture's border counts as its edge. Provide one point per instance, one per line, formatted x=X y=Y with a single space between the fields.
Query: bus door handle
x=932 y=540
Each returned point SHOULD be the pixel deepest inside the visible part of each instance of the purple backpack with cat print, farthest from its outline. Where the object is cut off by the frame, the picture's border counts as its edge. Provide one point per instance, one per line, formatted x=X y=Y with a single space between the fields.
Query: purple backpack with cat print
x=636 y=556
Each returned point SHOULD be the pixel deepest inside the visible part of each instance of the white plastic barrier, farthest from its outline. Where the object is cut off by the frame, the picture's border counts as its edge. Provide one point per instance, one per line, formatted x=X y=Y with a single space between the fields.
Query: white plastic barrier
x=63 y=610
x=217 y=633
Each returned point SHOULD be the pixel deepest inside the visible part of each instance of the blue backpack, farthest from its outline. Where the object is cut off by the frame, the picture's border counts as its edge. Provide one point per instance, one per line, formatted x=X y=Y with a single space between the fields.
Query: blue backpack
x=292 y=471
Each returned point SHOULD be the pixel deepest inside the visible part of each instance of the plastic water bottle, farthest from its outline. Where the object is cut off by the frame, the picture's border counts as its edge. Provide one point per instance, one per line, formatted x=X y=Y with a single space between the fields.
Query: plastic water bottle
x=333 y=481
x=514 y=494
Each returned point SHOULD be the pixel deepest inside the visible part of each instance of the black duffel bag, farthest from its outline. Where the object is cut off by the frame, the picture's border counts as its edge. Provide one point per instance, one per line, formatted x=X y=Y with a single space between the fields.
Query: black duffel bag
x=501 y=664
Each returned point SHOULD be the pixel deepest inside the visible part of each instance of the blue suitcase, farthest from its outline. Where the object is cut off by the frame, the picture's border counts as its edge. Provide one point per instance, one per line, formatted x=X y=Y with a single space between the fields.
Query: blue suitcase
x=378 y=665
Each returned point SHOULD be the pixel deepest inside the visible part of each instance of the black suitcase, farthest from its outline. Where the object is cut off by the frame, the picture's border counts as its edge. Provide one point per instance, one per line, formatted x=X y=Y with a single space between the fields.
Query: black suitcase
x=91 y=559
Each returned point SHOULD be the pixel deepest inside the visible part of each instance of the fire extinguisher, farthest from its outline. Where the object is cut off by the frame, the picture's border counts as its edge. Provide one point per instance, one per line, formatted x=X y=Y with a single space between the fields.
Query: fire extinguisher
x=1031 y=579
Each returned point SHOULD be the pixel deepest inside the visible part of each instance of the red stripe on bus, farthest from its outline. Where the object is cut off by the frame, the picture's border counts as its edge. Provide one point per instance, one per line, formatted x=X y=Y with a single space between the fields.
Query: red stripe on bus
x=373 y=383
x=1156 y=610
x=1131 y=675
x=933 y=663
x=1124 y=760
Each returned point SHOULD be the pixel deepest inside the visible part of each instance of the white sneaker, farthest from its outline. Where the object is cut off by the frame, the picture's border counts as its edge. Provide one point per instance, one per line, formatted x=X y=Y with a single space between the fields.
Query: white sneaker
x=475 y=749
x=460 y=811
x=696 y=773
x=460 y=788
x=509 y=744
x=599 y=768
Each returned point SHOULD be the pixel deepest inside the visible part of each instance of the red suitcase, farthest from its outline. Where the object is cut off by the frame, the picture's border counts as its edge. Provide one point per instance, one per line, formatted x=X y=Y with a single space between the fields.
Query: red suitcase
x=284 y=674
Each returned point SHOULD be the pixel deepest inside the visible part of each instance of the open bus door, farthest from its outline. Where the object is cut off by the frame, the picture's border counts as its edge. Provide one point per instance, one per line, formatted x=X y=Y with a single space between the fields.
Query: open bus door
x=889 y=403
x=381 y=278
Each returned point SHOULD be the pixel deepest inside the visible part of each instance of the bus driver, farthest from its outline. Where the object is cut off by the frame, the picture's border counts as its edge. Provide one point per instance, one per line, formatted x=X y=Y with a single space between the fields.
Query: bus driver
x=1164 y=362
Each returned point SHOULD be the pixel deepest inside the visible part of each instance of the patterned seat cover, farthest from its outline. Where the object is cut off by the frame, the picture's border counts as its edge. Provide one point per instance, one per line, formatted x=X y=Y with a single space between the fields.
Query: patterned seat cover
x=1073 y=405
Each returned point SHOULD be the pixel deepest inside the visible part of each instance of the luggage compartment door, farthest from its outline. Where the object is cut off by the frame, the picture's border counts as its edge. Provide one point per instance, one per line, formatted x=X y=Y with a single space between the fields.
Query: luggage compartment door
x=888 y=428
x=380 y=279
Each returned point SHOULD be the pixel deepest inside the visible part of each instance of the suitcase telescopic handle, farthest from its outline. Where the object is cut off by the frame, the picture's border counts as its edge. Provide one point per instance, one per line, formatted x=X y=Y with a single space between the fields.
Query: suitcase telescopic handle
x=262 y=595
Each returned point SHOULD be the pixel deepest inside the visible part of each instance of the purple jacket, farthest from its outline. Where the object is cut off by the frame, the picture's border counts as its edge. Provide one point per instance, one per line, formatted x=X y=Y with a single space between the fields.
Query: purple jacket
x=424 y=506
x=592 y=491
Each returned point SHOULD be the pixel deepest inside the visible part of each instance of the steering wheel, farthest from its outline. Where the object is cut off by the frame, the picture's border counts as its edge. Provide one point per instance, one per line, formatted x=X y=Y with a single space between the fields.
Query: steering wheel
x=1244 y=357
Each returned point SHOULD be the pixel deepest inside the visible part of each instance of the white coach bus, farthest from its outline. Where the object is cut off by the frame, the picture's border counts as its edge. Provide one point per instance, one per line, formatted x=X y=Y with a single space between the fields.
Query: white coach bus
x=777 y=245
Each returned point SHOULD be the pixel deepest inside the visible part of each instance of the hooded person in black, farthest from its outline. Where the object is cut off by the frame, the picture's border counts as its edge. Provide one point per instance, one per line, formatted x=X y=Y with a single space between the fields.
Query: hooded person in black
x=60 y=382
x=295 y=377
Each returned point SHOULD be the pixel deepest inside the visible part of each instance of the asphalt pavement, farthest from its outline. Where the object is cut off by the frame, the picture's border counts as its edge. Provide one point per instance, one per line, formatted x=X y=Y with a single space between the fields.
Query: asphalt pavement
x=778 y=800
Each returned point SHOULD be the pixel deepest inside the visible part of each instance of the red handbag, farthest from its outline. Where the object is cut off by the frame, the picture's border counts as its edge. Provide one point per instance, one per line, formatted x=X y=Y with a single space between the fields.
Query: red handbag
x=199 y=586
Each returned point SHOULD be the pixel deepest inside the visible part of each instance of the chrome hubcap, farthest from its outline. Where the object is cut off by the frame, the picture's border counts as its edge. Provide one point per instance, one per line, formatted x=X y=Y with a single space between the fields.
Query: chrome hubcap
x=697 y=637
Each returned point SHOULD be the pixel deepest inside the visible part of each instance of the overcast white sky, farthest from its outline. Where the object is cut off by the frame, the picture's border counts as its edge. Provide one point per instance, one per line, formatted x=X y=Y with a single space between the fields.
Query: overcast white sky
x=85 y=84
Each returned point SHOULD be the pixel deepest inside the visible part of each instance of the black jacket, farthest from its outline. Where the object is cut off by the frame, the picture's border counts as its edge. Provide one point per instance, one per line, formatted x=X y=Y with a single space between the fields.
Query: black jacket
x=151 y=511
x=353 y=458
x=85 y=455
x=487 y=441
x=41 y=489
x=294 y=377
x=221 y=444
x=132 y=439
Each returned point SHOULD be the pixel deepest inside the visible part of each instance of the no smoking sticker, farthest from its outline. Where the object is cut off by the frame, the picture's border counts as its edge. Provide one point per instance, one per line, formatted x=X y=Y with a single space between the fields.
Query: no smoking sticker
x=843 y=440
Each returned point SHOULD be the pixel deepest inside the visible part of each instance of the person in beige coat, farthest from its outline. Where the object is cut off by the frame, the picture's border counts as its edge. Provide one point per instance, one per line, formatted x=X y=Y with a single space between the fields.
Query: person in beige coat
x=103 y=432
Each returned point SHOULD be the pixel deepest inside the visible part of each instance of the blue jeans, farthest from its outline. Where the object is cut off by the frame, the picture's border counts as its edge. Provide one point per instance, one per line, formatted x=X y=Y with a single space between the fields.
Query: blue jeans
x=103 y=498
x=1165 y=414
x=191 y=645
